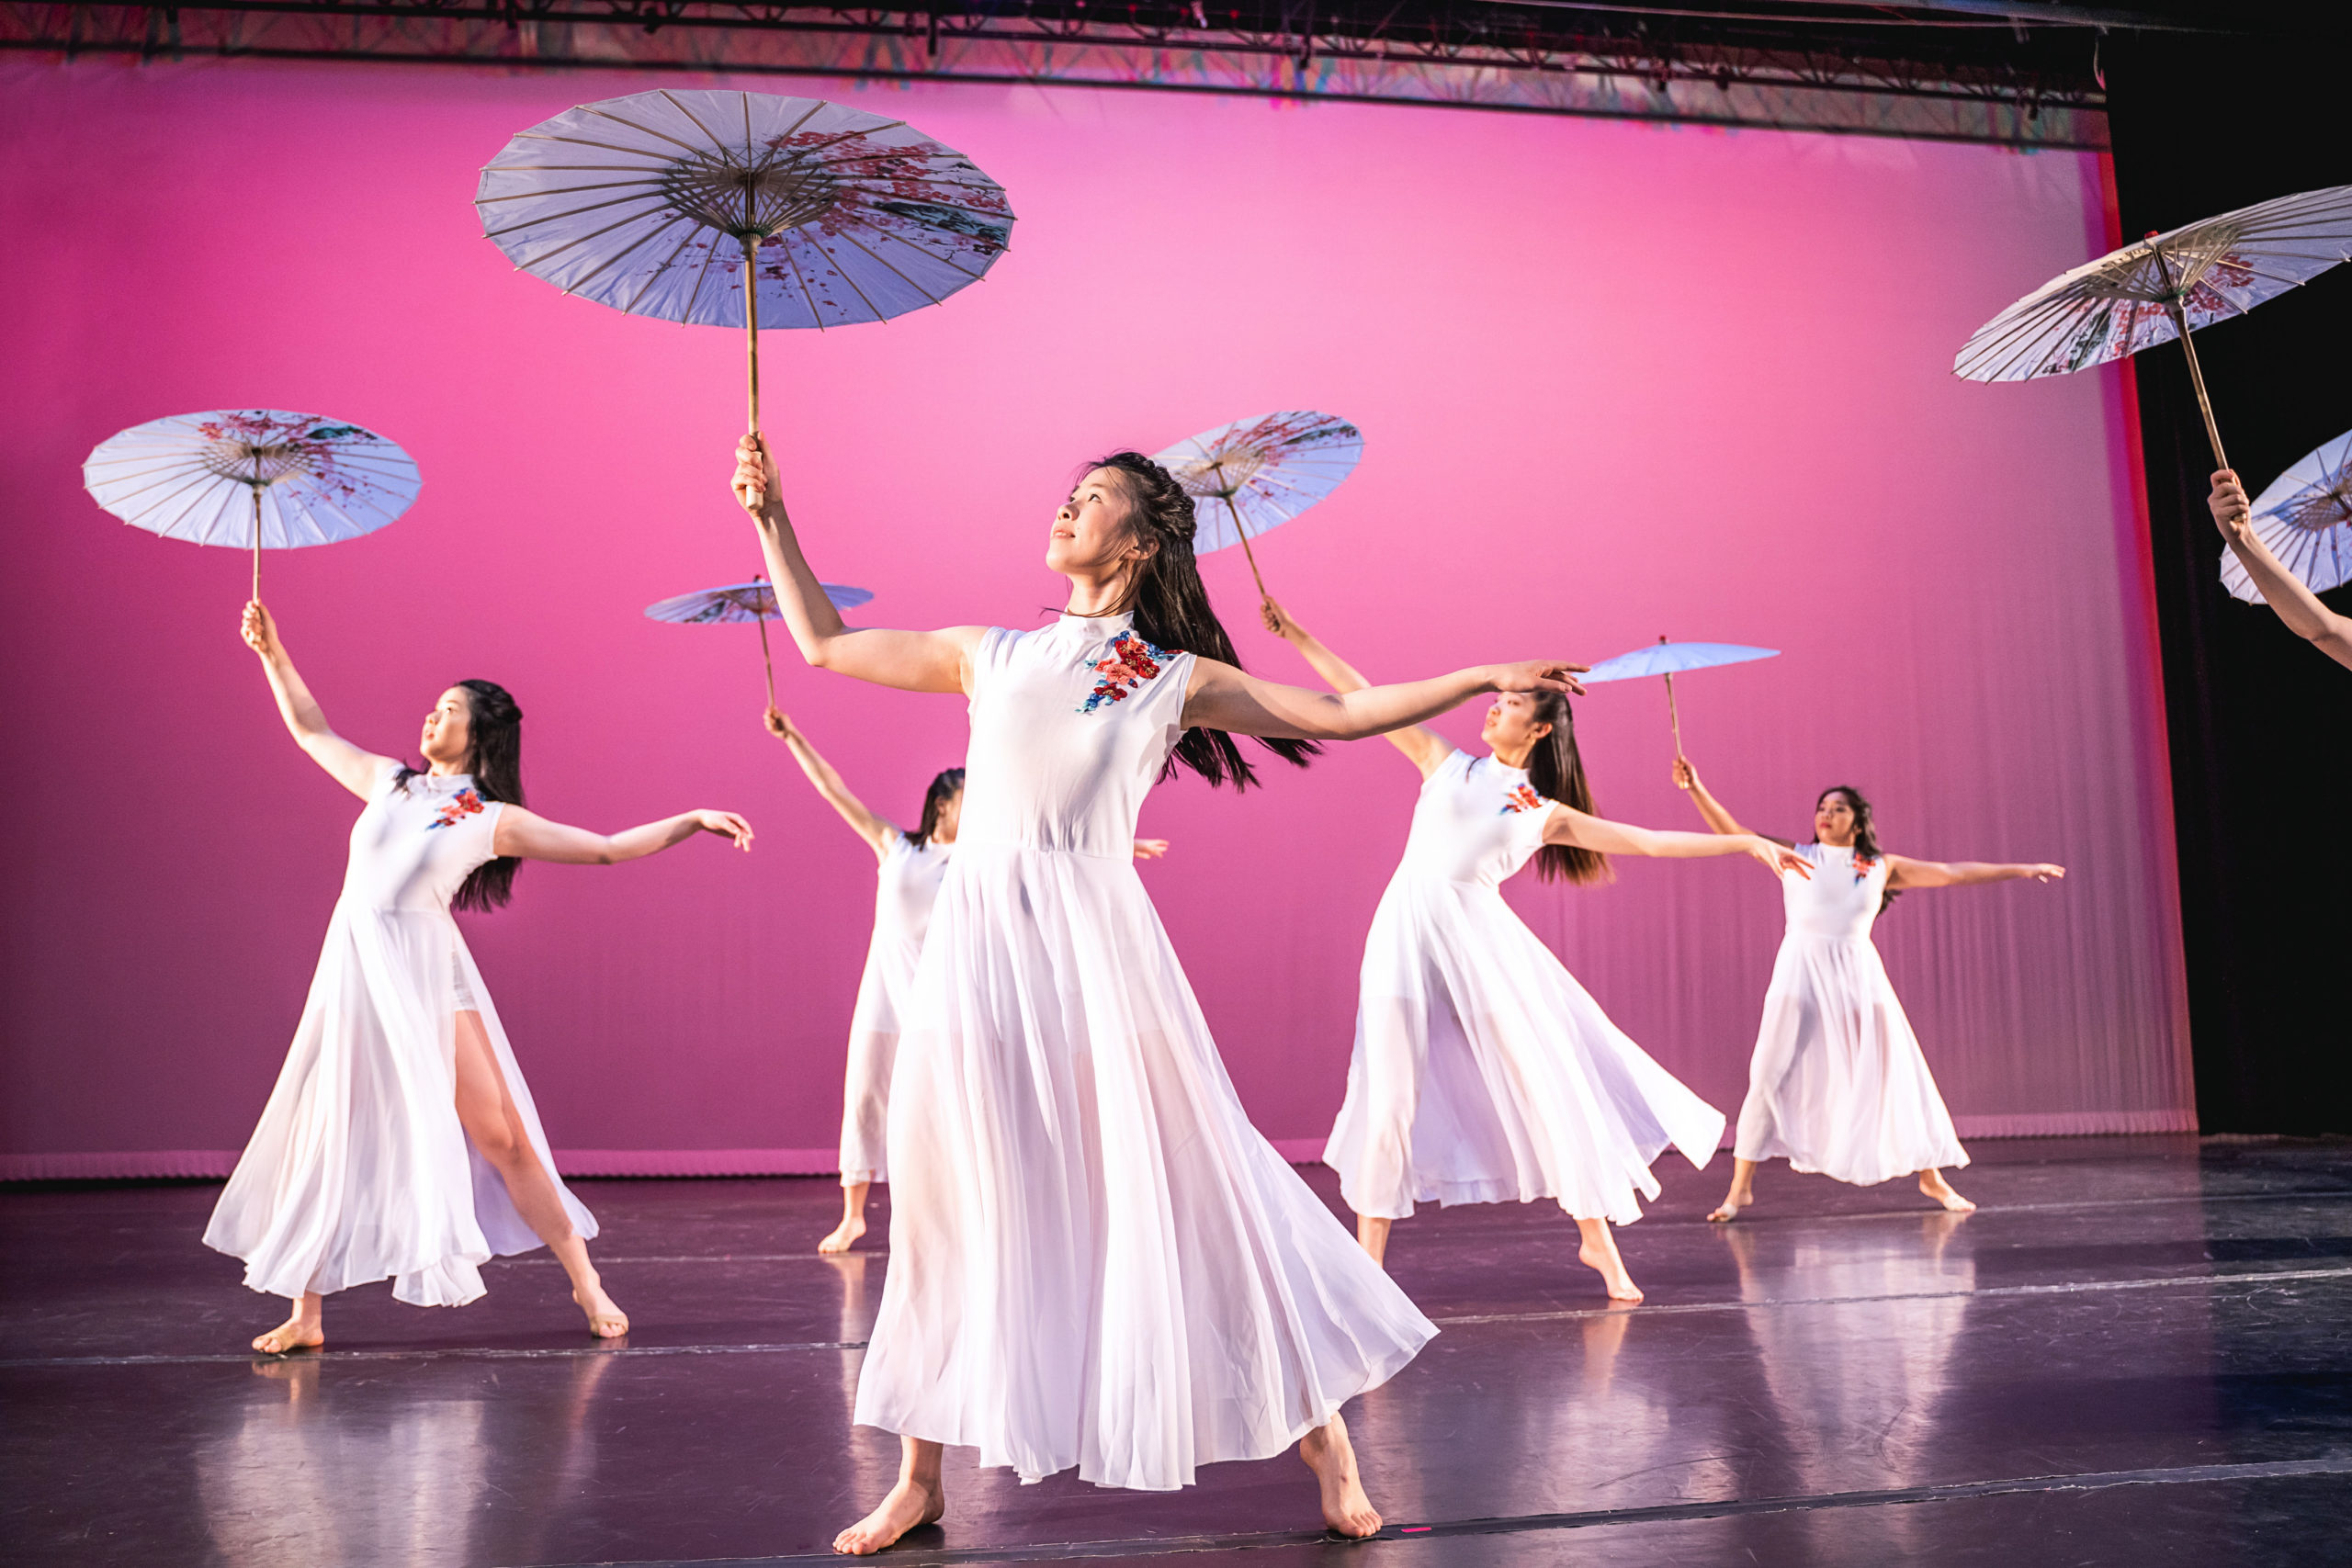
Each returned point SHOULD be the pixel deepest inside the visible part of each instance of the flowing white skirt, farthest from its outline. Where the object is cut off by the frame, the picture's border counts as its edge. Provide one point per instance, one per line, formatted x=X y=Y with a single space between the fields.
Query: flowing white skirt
x=865 y=1086
x=1483 y=1071
x=360 y=1169
x=1095 y=1260
x=1838 y=1085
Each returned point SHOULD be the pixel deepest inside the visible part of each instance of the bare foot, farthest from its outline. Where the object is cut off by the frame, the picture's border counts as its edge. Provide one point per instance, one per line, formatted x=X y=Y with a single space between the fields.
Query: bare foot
x=1933 y=1184
x=910 y=1505
x=1612 y=1269
x=300 y=1332
x=1728 y=1210
x=848 y=1231
x=1332 y=1457
x=605 y=1319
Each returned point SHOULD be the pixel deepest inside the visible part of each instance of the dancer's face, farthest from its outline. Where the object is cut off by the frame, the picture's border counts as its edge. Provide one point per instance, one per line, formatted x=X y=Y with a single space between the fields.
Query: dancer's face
x=448 y=729
x=1090 y=538
x=1833 y=820
x=951 y=816
x=1512 y=723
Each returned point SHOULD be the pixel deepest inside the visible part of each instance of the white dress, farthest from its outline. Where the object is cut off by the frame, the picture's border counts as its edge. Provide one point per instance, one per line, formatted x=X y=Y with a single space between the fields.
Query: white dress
x=1482 y=1070
x=1838 y=1084
x=360 y=1169
x=905 y=885
x=1095 y=1260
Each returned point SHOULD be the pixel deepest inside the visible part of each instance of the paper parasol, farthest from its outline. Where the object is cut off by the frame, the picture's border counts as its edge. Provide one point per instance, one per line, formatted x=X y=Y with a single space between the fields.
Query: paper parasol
x=1256 y=474
x=2165 y=286
x=2305 y=517
x=252 y=479
x=727 y=209
x=736 y=602
x=1669 y=659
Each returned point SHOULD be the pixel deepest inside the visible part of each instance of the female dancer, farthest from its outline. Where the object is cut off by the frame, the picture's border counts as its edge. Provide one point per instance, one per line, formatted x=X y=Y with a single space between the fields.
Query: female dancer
x=399 y=1095
x=913 y=865
x=1482 y=1070
x=1838 y=1084
x=1095 y=1260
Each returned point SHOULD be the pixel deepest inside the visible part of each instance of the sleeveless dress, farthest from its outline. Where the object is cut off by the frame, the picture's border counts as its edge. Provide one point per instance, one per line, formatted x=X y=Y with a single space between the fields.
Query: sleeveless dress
x=360 y=1169
x=1838 y=1085
x=905 y=885
x=1482 y=1070
x=1095 y=1260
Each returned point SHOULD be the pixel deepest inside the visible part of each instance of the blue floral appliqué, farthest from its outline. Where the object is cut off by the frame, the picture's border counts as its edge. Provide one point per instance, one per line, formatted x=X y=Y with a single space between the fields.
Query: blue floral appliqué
x=1130 y=663
x=465 y=804
x=1521 y=797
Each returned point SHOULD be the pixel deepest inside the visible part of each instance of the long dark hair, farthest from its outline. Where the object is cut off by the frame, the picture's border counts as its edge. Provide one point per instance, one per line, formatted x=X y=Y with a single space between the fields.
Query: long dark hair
x=1866 y=850
x=943 y=788
x=1172 y=611
x=494 y=758
x=1556 y=770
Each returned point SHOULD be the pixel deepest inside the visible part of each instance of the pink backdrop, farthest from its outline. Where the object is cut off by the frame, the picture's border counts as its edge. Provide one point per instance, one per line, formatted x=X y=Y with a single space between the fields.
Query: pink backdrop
x=1617 y=381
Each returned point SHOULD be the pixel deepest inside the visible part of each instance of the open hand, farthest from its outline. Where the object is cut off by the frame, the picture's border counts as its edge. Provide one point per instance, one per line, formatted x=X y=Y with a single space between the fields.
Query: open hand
x=259 y=630
x=2232 y=513
x=1537 y=675
x=778 y=725
x=755 y=476
x=1777 y=857
x=2046 y=872
x=1685 y=775
x=726 y=825
x=1150 y=848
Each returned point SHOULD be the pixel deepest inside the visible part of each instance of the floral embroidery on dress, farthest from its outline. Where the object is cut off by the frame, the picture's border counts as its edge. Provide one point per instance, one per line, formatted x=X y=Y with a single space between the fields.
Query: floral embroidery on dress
x=1124 y=669
x=1863 y=866
x=1521 y=797
x=466 y=804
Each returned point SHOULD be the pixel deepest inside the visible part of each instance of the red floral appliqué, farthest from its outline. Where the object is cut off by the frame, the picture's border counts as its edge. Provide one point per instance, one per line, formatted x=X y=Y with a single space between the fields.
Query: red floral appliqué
x=1863 y=866
x=1522 y=797
x=1128 y=665
x=464 y=804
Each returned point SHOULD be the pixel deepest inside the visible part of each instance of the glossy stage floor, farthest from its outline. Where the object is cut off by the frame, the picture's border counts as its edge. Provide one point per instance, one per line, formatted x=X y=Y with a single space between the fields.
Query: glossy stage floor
x=2136 y=1352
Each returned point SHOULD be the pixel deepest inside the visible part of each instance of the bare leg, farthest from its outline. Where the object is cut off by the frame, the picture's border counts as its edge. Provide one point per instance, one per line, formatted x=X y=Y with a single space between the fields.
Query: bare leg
x=1372 y=1235
x=919 y=1498
x=1933 y=1184
x=1742 y=1193
x=488 y=1113
x=1599 y=1252
x=852 y=1224
x=301 y=1331
x=1332 y=1457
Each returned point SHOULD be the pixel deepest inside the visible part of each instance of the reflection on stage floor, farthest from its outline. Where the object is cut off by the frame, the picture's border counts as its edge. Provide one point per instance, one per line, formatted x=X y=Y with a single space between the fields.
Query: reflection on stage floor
x=2136 y=1351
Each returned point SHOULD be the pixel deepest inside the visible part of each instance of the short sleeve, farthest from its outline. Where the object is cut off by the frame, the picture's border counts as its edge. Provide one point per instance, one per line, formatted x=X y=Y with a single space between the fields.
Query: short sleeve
x=995 y=648
x=484 y=832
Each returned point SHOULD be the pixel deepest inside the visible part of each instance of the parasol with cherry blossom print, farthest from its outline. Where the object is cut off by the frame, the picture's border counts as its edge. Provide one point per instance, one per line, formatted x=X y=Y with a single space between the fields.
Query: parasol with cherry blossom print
x=737 y=601
x=2165 y=286
x=1256 y=474
x=252 y=479
x=1669 y=659
x=742 y=209
x=2305 y=519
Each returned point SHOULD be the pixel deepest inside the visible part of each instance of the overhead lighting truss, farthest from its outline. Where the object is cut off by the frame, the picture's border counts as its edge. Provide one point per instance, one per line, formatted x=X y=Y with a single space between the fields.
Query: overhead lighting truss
x=1859 y=69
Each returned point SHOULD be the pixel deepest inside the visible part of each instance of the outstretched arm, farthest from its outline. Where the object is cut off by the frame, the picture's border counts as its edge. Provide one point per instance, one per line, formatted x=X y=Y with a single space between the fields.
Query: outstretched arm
x=1426 y=747
x=863 y=822
x=1718 y=820
x=2297 y=606
x=525 y=835
x=1222 y=697
x=1566 y=825
x=1903 y=872
x=912 y=661
x=354 y=769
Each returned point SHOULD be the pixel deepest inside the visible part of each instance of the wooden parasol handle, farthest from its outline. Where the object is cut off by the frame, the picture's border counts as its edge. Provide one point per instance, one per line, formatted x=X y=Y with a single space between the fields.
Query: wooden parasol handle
x=256 y=491
x=2197 y=380
x=1247 y=553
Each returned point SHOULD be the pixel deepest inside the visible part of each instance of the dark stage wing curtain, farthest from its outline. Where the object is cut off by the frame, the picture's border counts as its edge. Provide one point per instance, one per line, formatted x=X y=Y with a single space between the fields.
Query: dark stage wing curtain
x=2260 y=723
